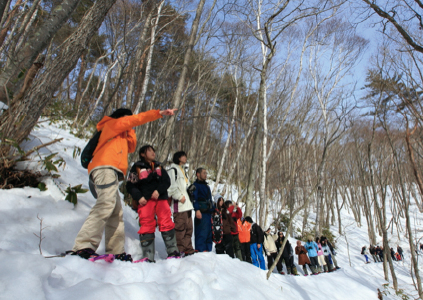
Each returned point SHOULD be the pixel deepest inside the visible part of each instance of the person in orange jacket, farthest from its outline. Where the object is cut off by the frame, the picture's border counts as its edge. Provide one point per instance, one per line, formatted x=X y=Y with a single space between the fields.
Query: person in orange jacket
x=244 y=229
x=107 y=167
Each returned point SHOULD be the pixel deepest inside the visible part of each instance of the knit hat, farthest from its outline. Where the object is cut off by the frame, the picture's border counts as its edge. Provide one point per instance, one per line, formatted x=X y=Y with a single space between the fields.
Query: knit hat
x=217 y=197
x=121 y=112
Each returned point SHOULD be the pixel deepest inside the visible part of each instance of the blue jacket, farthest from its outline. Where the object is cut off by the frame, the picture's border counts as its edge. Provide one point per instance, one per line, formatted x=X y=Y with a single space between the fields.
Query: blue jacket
x=312 y=248
x=203 y=200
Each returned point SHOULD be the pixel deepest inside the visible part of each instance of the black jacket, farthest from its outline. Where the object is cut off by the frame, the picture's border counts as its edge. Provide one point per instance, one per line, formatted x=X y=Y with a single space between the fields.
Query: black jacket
x=287 y=251
x=144 y=179
x=257 y=234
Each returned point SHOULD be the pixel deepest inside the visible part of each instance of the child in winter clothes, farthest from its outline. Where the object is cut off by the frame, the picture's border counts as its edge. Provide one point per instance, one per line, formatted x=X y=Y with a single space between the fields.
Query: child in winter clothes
x=148 y=183
x=256 y=244
x=328 y=256
x=312 y=249
x=225 y=246
x=303 y=259
x=321 y=257
x=244 y=229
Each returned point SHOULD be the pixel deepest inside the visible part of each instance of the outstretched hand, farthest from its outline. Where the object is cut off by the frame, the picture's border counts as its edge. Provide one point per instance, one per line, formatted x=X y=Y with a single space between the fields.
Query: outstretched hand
x=168 y=112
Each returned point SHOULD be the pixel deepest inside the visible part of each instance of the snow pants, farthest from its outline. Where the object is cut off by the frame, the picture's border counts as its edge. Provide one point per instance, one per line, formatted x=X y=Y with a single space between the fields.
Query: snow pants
x=184 y=229
x=245 y=251
x=106 y=215
x=147 y=213
x=237 y=246
x=203 y=233
x=257 y=256
x=322 y=263
x=225 y=246
x=314 y=264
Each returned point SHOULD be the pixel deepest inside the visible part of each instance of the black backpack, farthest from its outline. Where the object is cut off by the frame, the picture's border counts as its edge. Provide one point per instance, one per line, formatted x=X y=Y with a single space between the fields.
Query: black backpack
x=87 y=153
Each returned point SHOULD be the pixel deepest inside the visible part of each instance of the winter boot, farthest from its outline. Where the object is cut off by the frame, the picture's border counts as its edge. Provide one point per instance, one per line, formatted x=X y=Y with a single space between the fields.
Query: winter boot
x=147 y=246
x=325 y=268
x=305 y=270
x=85 y=253
x=123 y=257
x=294 y=270
x=169 y=239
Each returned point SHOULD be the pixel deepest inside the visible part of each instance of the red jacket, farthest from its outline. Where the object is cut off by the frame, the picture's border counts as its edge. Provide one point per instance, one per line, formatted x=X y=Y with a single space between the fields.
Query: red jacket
x=236 y=215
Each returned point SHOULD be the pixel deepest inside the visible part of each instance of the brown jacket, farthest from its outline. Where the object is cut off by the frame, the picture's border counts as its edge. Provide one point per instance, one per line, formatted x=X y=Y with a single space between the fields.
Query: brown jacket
x=228 y=223
x=302 y=255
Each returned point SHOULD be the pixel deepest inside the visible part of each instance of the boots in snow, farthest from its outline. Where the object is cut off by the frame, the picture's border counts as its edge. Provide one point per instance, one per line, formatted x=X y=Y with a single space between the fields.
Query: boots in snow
x=169 y=239
x=147 y=246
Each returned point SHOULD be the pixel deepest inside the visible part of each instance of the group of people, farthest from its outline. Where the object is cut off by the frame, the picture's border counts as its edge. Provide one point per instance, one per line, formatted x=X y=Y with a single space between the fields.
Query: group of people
x=377 y=253
x=318 y=255
x=159 y=194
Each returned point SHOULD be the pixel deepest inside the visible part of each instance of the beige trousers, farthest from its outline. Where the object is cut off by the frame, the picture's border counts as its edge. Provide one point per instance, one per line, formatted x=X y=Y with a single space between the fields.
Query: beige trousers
x=106 y=215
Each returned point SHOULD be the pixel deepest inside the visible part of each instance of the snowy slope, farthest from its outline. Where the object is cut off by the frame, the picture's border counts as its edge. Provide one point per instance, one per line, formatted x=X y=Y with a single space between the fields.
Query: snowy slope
x=25 y=274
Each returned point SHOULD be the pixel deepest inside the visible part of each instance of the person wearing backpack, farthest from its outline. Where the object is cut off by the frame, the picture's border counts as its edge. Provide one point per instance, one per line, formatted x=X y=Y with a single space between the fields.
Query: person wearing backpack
x=148 y=183
x=228 y=226
x=181 y=203
x=107 y=167
x=365 y=252
x=256 y=244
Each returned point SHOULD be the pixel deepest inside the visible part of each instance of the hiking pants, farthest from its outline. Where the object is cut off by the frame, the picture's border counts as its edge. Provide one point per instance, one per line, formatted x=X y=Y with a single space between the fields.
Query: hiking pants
x=203 y=233
x=106 y=215
x=225 y=246
x=183 y=230
x=314 y=264
x=245 y=250
x=257 y=256
x=147 y=215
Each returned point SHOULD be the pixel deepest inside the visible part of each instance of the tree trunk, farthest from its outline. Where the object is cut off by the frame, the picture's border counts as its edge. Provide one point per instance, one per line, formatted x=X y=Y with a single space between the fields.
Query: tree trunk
x=26 y=114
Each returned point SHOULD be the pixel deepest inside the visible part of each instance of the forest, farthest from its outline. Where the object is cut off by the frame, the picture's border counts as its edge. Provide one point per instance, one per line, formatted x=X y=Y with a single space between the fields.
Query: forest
x=301 y=105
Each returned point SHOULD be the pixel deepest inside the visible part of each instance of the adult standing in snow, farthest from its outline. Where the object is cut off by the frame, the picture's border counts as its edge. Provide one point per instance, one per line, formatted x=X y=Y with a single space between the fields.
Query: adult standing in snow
x=236 y=214
x=365 y=252
x=400 y=252
x=244 y=229
x=333 y=251
x=328 y=255
x=148 y=183
x=203 y=206
x=181 y=204
x=303 y=259
x=269 y=248
x=256 y=244
x=108 y=166
x=393 y=254
x=321 y=257
x=312 y=250
x=287 y=255
x=228 y=226
x=372 y=251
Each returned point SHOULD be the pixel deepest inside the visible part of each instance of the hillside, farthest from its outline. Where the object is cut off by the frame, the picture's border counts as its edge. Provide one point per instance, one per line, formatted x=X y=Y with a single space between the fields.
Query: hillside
x=25 y=274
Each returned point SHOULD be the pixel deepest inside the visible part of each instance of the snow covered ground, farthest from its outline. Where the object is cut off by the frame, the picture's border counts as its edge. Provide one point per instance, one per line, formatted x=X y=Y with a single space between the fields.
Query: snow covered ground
x=25 y=274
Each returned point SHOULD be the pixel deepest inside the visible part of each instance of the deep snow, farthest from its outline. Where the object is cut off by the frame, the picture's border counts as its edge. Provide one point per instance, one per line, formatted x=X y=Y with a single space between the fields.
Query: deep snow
x=25 y=274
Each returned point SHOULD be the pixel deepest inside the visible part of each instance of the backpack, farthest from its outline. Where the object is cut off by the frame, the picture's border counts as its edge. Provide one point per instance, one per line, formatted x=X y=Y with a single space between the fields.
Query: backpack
x=87 y=153
x=362 y=250
x=190 y=189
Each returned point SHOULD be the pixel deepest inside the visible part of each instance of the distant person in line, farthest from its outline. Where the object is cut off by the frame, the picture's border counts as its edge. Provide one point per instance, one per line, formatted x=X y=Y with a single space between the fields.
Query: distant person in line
x=303 y=259
x=269 y=248
x=372 y=251
x=333 y=251
x=379 y=252
x=203 y=206
x=400 y=252
x=107 y=168
x=392 y=254
x=365 y=252
x=328 y=255
x=321 y=257
x=181 y=203
x=256 y=244
x=228 y=226
x=312 y=249
x=244 y=229
x=287 y=255
x=236 y=214
x=148 y=183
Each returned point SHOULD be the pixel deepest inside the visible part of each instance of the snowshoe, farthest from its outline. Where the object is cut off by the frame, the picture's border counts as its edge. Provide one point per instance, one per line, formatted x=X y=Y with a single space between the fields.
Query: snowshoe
x=85 y=253
x=217 y=227
x=124 y=257
x=145 y=259
x=174 y=255
x=107 y=257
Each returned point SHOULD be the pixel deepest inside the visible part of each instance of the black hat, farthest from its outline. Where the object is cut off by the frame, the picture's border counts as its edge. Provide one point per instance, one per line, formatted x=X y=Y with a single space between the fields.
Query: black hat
x=121 y=112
